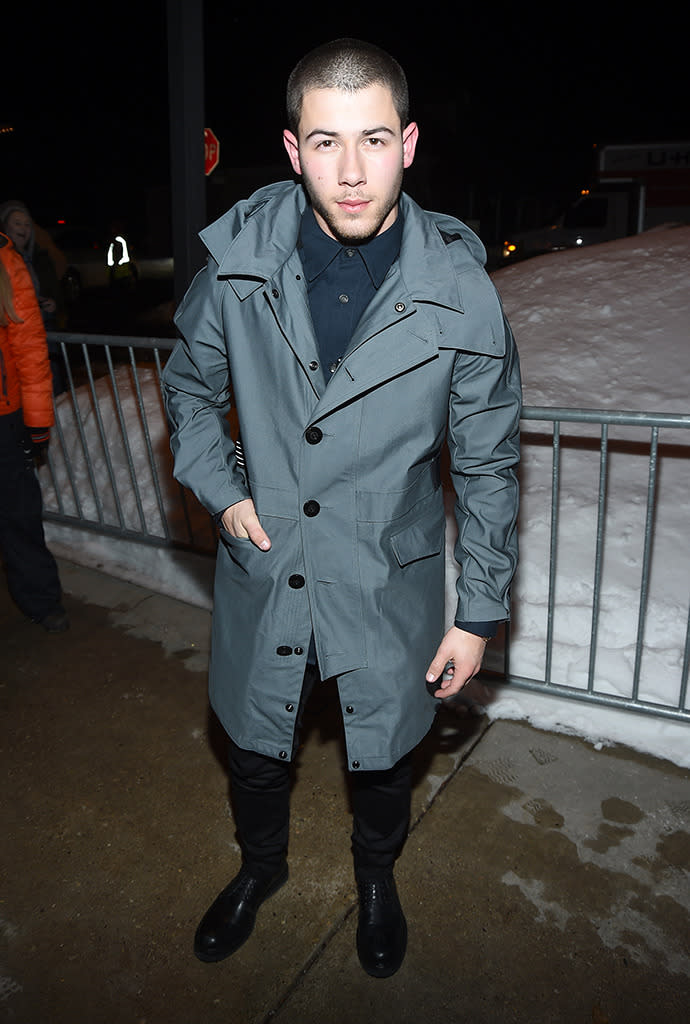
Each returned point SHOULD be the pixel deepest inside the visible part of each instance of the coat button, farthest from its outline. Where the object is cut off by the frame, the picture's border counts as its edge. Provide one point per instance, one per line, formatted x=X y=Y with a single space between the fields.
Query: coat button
x=299 y=650
x=282 y=755
x=313 y=435
x=289 y=707
x=313 y=365
x=283 y=650
x=349 y=709
x=275 y=293
x=355 y=764
x=311 y=508
x=400 y=307
x=296 y=581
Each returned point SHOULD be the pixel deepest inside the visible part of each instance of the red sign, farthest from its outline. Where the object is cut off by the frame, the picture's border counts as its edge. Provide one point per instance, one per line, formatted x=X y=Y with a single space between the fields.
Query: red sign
x=211 y=151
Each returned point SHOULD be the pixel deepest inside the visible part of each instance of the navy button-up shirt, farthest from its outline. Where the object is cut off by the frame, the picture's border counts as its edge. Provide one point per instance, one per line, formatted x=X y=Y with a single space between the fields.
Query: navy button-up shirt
x=341 y=281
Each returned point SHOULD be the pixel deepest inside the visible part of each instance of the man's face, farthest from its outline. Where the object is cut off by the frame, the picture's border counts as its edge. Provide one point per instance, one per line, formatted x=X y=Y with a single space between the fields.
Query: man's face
x=351 y=153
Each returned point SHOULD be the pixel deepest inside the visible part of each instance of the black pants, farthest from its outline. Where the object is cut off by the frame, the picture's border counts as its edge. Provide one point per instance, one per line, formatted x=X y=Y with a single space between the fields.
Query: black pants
x=32 y=574
x=260 y=788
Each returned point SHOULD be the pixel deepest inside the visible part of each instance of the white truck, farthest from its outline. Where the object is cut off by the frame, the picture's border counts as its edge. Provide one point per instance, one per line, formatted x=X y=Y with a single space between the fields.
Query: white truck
x=637 y=187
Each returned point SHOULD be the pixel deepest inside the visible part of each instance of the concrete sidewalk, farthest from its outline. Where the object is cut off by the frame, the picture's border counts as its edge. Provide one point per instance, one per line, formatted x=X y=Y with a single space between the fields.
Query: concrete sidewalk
x=543 y=880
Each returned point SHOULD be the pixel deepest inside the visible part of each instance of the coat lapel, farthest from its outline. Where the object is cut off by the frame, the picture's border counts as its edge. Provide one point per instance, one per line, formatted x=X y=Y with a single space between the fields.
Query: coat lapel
x=287 y=296
x=392 y=337
x=398 y=330
x=263 y=255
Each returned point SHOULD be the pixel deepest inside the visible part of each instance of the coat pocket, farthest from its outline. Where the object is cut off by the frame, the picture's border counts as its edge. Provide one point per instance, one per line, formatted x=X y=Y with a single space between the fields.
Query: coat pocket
x=245 y=554
x=421 y=539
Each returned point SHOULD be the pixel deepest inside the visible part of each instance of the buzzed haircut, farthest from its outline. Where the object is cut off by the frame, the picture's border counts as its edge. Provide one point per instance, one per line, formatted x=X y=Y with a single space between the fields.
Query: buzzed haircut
x=349 y=65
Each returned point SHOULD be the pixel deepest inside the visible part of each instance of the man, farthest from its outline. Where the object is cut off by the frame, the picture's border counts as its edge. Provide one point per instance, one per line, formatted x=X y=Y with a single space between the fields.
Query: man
x=355 y=331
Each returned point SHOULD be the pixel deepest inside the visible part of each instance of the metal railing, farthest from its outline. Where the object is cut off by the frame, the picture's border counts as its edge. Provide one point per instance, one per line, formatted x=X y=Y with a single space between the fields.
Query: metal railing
x=639 y=573
x=109 y=470
x=109 y=467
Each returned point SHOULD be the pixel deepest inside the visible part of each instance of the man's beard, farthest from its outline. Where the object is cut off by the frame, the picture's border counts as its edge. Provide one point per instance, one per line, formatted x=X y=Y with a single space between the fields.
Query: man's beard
x=351 y=231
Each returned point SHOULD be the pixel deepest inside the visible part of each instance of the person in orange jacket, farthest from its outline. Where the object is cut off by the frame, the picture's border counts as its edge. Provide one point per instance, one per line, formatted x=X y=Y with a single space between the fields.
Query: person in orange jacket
x=26 y=416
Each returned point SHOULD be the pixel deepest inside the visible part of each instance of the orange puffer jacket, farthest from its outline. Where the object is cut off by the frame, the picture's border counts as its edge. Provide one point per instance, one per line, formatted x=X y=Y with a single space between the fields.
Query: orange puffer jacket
x=25 y=378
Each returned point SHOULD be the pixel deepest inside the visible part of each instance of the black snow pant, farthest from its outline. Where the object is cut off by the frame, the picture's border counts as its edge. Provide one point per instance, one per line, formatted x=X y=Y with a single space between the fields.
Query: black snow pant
x=32 y=574
x=260 y=788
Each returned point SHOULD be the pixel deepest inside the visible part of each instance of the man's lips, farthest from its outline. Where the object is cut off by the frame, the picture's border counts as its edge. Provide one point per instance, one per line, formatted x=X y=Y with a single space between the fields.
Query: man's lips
x=353 y=205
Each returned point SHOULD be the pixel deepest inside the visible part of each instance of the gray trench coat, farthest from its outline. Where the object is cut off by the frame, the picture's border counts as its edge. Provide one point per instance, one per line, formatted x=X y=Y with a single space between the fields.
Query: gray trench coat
x=345 y=478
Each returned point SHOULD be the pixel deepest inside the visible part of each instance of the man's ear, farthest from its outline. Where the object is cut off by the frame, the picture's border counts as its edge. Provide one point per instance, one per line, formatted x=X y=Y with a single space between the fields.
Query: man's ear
x=292 y=147
x=410 y=137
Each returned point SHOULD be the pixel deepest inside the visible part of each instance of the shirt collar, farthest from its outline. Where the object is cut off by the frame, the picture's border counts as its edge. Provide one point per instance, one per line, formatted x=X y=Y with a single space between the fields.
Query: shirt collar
x=318 y=250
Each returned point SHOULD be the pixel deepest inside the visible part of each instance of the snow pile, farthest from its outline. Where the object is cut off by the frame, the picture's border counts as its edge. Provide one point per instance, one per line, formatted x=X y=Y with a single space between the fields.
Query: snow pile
x=604 y=327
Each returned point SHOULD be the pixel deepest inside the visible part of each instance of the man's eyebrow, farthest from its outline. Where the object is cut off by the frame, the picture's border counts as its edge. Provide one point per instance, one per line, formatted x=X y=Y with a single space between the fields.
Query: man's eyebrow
x=321 y=131
x=365 y=132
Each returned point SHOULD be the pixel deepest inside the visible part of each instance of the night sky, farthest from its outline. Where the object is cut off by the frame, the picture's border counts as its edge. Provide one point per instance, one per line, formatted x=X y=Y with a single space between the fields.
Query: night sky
x=509 y=102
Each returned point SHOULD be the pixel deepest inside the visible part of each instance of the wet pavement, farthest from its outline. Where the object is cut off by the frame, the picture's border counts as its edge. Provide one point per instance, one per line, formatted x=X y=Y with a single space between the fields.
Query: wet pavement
x=543 y=880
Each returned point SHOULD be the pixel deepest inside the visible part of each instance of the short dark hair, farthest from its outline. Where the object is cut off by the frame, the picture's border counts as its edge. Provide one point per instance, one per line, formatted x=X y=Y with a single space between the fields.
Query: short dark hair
x=350 y=65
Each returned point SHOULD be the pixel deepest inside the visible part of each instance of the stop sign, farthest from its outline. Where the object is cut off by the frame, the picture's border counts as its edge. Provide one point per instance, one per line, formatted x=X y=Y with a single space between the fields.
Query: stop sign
x=211 y=151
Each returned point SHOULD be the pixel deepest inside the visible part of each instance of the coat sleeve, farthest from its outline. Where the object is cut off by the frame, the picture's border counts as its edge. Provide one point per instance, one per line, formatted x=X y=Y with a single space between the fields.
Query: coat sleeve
x=483 y=439
x=196 y=390
x=30 y=349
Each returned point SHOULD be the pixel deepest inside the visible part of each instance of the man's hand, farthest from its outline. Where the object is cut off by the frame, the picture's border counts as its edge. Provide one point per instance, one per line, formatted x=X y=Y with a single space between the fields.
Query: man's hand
x=463 y=653
x=241 y=520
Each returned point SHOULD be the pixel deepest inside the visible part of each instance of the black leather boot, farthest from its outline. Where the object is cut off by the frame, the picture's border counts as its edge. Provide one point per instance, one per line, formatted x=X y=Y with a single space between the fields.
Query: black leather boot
x=382 y=928
x=229 y=921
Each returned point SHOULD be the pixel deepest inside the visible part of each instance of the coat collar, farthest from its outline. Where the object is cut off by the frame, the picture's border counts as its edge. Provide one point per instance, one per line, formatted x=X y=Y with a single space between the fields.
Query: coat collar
x=255 y=238
x=255 y=246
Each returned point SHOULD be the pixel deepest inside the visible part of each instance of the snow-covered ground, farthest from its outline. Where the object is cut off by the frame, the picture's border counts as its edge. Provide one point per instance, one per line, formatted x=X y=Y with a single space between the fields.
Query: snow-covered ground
x=606 y=327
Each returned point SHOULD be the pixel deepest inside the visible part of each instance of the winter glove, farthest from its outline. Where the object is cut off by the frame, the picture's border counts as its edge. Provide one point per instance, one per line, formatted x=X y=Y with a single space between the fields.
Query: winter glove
x=40 y=437
x=35 y=445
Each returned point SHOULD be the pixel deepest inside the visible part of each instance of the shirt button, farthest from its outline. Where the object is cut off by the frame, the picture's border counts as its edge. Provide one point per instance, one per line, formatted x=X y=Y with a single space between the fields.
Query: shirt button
x=311 y=508
x=350 y=253
x=344 y=298
x=283 y=650
x=313 y=435
x=296 y=581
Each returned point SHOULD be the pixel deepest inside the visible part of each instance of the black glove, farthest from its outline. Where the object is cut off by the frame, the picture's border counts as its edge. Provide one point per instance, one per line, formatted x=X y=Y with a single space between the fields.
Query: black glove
x=36 y=442
x=40 y=437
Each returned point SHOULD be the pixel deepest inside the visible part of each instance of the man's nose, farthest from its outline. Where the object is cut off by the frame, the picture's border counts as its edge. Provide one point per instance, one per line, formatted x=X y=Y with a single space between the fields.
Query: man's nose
x=351 y=170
